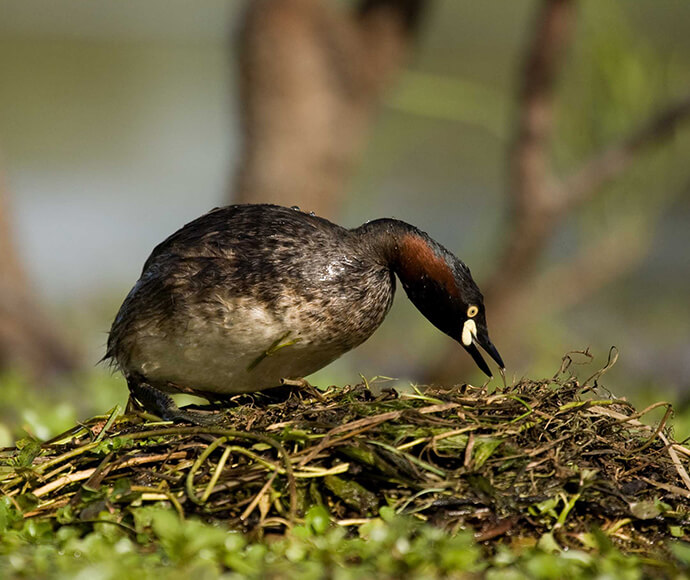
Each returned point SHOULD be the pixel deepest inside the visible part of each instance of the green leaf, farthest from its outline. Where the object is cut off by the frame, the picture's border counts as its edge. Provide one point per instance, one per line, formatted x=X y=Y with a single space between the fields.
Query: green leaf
x=318 y=519
x=352 y=493
x=452 y=443
x=644 y=510
x=548 y=507
x=28 y=451
x=676 y=531
x=548 y=543
x=483 y=449
x=9 y=514
x=27 y=502
x=387 y=513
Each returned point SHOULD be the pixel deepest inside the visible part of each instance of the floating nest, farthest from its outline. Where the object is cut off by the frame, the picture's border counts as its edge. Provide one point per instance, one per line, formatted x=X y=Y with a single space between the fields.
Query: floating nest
x=556 y=458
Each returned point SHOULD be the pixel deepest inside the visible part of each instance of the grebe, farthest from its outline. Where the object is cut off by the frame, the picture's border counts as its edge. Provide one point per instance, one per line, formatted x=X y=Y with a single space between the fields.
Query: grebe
x=246 y=296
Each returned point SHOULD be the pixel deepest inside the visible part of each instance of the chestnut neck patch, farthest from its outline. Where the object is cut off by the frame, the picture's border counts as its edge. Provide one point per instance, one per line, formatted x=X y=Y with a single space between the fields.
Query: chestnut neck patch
x=417 y=260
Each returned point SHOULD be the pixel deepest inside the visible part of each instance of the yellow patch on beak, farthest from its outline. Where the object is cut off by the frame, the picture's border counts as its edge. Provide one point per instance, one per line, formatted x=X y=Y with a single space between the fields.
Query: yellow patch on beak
x=469 y=331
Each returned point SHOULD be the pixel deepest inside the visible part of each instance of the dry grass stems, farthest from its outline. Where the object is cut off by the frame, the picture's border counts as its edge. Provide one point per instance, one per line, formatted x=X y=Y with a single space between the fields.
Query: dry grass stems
x=555 y=457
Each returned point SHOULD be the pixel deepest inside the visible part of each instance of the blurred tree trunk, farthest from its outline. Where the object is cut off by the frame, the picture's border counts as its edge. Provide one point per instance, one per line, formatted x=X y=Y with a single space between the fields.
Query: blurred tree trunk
x=28 y=340
x=311 y=75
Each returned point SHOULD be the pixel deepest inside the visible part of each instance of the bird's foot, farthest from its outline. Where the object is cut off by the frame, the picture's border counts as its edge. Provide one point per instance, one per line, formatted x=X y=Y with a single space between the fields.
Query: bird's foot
x=161 y=404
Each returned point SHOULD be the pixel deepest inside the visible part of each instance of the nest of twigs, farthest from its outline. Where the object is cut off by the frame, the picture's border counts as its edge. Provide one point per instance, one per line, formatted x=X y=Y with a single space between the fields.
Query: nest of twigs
x=556 y=455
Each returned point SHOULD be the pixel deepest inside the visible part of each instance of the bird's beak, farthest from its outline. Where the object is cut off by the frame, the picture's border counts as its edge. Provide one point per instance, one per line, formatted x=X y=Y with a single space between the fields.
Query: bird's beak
x=470 y=339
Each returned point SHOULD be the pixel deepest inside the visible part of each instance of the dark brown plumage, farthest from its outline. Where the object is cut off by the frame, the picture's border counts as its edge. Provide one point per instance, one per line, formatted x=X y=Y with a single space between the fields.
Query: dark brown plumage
x=247 y=295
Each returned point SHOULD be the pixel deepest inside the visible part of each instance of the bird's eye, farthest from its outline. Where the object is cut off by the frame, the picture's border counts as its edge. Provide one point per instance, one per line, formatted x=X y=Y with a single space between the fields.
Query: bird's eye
x=472 y=311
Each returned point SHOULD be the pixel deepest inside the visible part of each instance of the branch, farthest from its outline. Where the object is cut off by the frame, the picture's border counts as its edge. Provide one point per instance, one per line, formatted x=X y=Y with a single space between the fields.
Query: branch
x=543 y=61
x=605 y=166
x=530 y=182
x=530 y=189
x=540 y=202
x=616 y=254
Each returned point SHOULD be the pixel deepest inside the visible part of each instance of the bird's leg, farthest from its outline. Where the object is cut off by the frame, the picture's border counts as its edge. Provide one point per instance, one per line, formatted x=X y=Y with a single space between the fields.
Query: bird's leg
x=161 y=404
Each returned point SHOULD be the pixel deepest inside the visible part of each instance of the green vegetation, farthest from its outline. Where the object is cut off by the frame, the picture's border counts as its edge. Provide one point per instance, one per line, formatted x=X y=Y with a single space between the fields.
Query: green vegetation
x=540 y=479
x=386 y=547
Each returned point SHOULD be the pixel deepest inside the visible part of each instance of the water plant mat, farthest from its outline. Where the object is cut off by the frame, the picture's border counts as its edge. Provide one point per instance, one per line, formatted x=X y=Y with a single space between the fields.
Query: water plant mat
x=557 y=460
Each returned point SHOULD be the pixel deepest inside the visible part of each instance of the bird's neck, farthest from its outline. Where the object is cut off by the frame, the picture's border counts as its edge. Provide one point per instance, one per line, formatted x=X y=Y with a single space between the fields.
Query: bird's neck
x=409 y=252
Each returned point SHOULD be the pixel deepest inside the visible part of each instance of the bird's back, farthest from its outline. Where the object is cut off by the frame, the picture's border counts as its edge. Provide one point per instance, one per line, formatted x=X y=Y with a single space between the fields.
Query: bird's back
x=246 y=295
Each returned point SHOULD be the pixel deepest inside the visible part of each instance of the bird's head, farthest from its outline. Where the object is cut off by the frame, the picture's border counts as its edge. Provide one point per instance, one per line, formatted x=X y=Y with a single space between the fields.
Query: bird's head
x=441 y=287
x=474 y=332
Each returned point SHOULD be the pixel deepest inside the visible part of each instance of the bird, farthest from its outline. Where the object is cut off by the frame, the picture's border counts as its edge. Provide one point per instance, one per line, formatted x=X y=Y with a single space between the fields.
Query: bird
x=249 y=296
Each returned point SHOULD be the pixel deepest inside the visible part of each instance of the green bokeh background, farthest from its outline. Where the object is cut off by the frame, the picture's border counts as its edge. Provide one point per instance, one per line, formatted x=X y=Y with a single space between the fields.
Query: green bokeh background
x=118 y=123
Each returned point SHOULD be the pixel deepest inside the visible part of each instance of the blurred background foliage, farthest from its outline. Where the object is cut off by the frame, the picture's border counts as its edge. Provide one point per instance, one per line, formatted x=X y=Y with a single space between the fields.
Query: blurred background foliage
x=119 y=122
